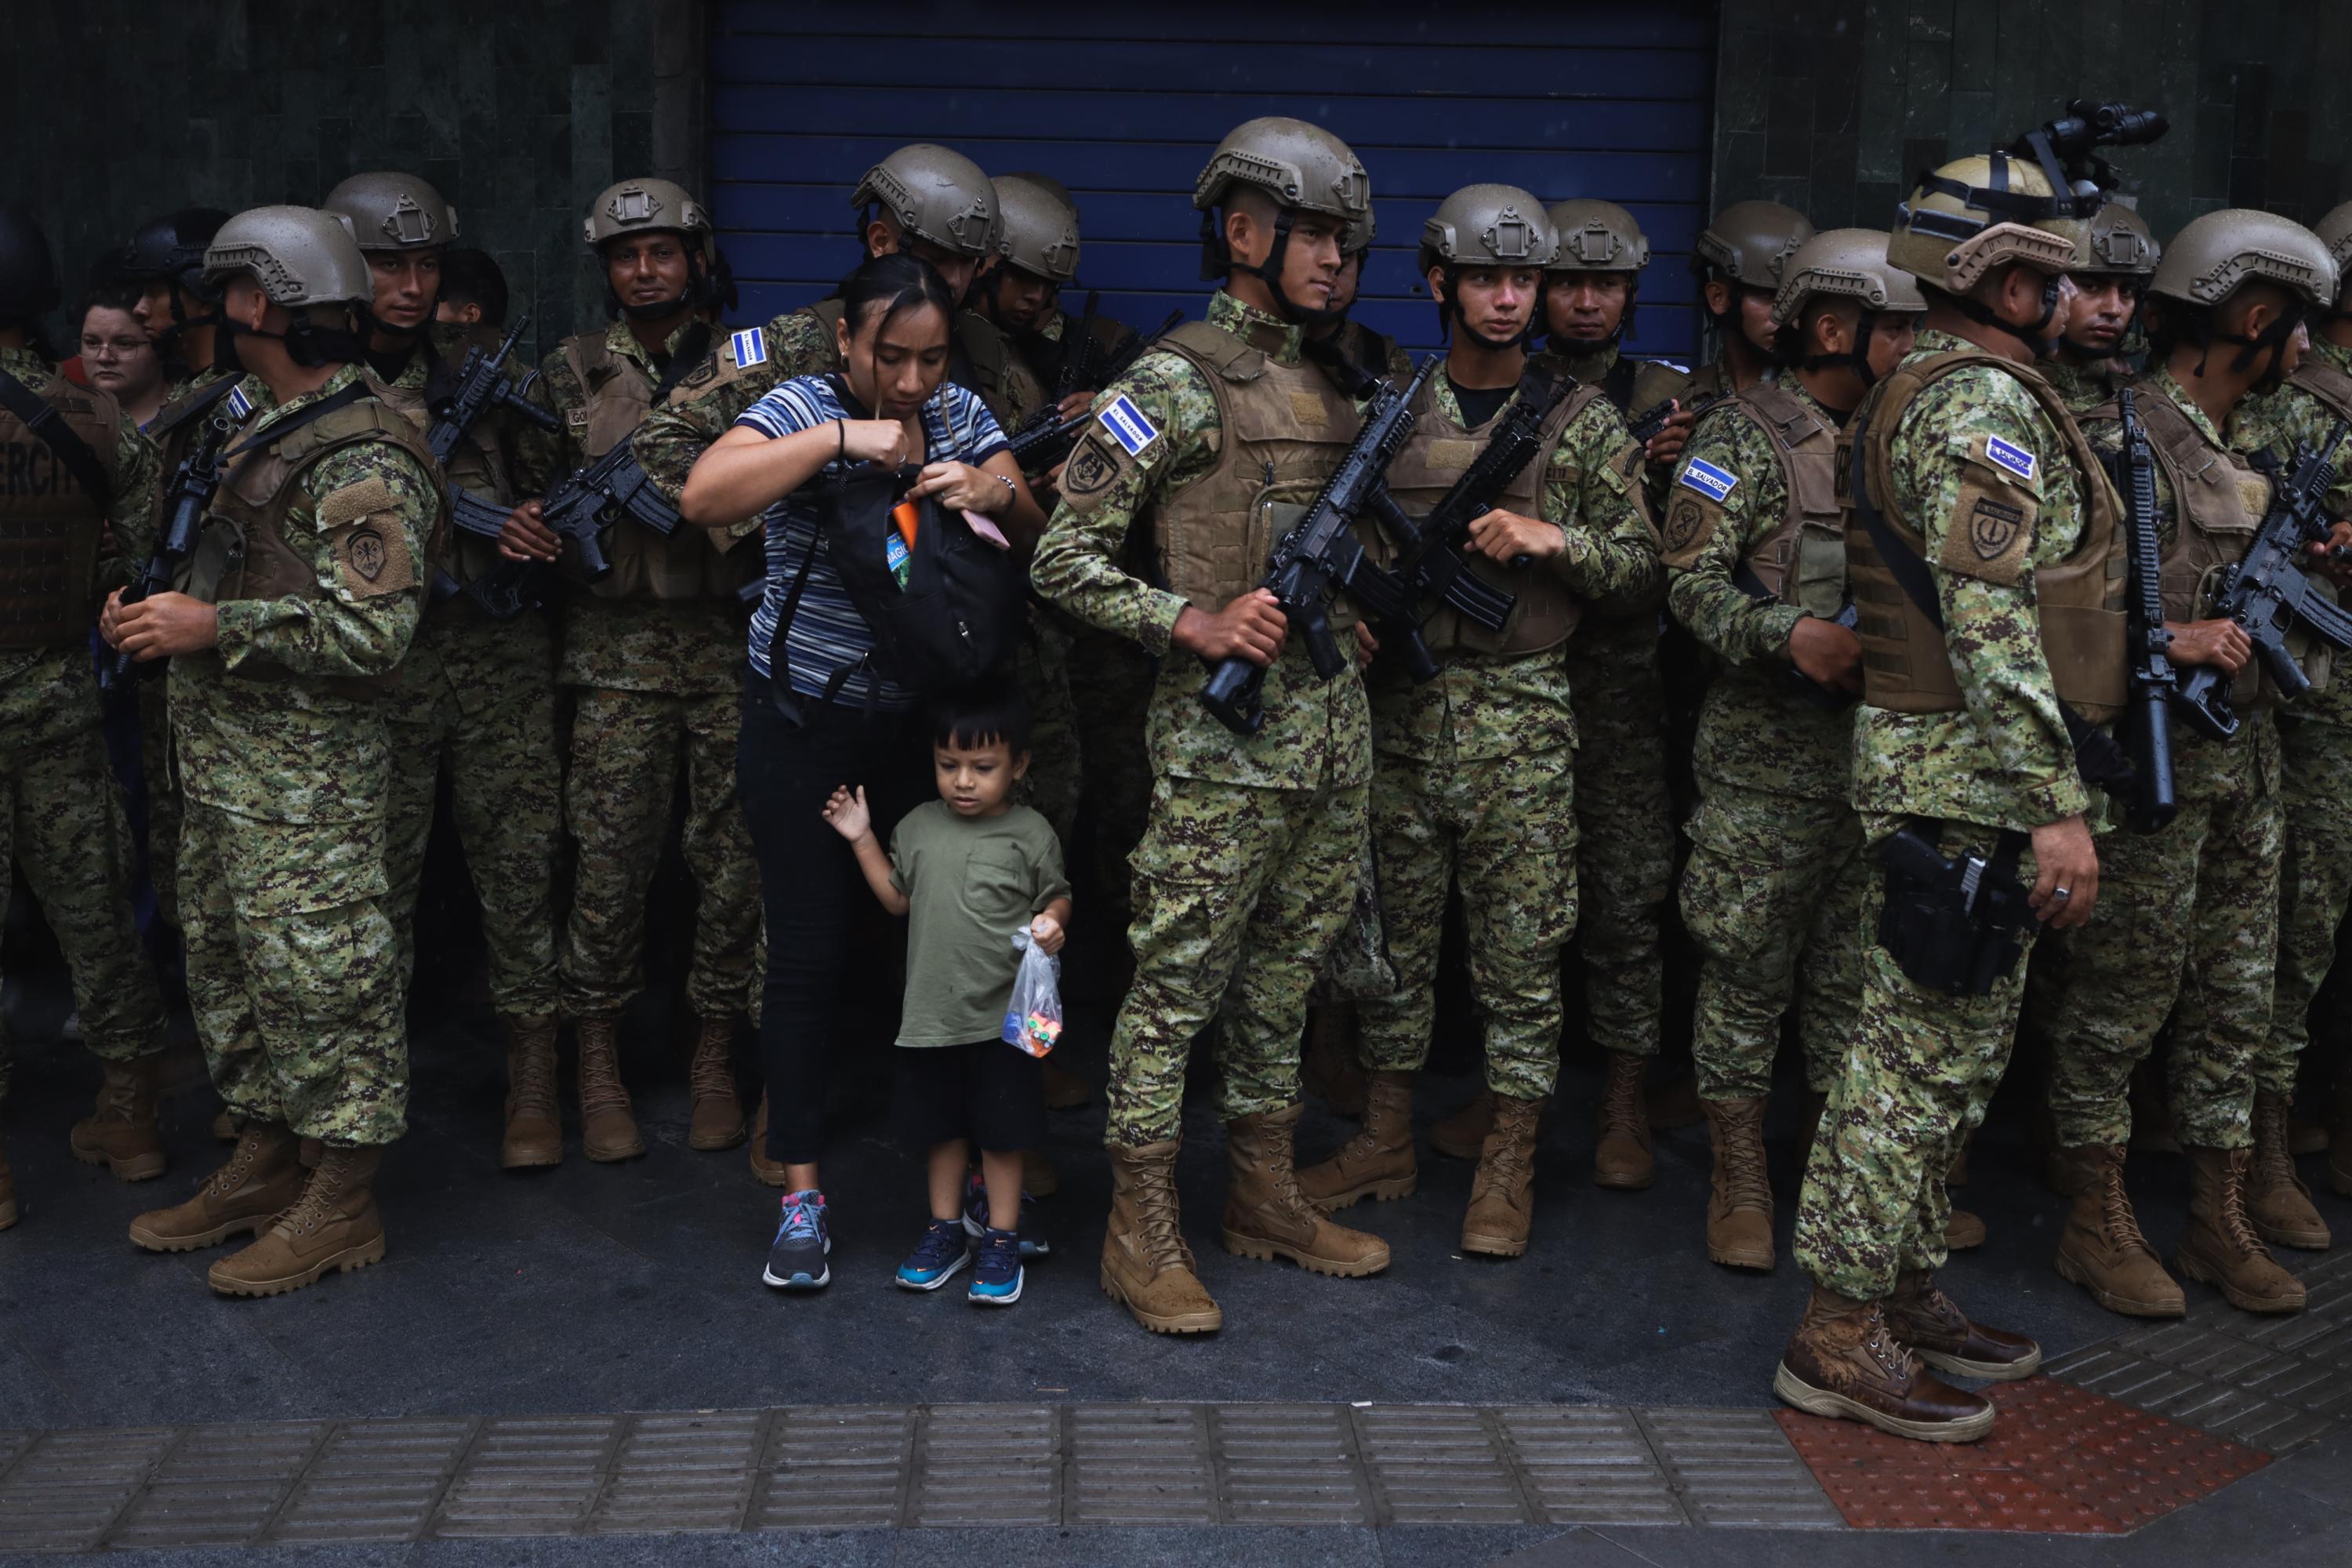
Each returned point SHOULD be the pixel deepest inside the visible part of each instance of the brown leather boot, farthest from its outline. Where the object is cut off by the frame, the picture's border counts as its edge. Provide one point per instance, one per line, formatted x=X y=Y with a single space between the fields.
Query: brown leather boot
x=7 y=1193
x=766 y=1172
x=718 y=1117
x=2221 y=1246
x=1146 y=1267
x=1621 y=1158
x=1963 y=1230
x=608 y=1128
x=1332 y=1066
x=333 y=1226
x=2276 y=1200
x=1038 y=1177
x=1940 y=1334
x=1844 y=1362
x=1267 y=1217
x=2072 y=1172
x=1377 y=1163
x=1740 y=1195
x=1065 y=1090
x=263 y=1178
x=121 y=1133
x=534 y=1134
x=1503 y=1193
x=2103 y=1249
x=1463 y=1135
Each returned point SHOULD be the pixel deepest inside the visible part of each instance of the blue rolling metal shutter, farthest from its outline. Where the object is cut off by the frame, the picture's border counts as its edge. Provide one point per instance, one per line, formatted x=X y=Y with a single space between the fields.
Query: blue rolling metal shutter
x=1124 y=105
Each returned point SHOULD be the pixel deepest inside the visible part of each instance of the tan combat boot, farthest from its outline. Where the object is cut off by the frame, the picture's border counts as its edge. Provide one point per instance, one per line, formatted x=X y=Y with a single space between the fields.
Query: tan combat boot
x=1377 y=1163
x=1146 y=1267
x=225 y=1126
x=121 y=1133
x=7 y=1193
x=766 y=1172
x=2103 y=1249
x=1940 y=1334
x=1621 y=1158
x=718 y=1118
x=608 y=1128
x=334 y=1226
x=2071 y=1173
x=534 y=1134
x=1845 y=1362
x=2221 y=1246
x=1740 y=1195
x=1267 y=1217
x=2276 y=1200
x=1463 y=1135
x=1331 y=1064
x=1503 y=1193
x=263 y=1178
x=1962 y=1228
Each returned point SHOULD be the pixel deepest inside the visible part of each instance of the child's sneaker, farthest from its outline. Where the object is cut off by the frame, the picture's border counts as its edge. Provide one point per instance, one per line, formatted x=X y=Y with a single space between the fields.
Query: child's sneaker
x=976 y=1217
x=797 y=1261
x=996 y=1277
x=939 y=1258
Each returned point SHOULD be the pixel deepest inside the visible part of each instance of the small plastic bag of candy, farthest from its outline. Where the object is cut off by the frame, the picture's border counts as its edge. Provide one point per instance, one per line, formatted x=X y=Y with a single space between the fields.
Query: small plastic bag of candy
x=1032 y=1019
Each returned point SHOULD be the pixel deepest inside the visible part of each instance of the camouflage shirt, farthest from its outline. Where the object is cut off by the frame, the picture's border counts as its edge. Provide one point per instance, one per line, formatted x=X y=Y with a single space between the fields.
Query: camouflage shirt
x=2083 y=387
x=1758 y=727
x=1315 y=732
x=2003 y=760
x=706 y=402
x=2283 y=422
x=1484 y=705
x=262 y=724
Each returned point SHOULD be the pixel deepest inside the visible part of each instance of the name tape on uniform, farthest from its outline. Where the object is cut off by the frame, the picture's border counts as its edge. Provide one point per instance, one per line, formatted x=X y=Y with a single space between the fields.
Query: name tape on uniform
x=748 y=346
x=2016 y=460
x=240 y=406
x=1708 y=479
x=1127 y=424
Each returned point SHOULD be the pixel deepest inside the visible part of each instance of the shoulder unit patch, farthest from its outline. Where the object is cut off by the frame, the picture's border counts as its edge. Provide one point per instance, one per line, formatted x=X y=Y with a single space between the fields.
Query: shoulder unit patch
x=1127 y=424
x=749 y=347
x=1716 y=484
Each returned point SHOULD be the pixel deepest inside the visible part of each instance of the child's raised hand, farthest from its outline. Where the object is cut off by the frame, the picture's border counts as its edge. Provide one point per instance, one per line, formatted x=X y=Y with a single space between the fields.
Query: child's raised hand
x=847 y=814
x=1047 y=931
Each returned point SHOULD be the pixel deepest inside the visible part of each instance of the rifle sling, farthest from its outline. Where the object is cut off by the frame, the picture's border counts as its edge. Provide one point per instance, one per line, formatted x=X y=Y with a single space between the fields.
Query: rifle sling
x=62 y=439
x=270 y=435
x=692 y=350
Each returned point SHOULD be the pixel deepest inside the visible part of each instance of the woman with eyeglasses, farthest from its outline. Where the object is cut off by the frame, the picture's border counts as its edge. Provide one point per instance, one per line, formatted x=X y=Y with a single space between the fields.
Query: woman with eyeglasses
x=119 y=357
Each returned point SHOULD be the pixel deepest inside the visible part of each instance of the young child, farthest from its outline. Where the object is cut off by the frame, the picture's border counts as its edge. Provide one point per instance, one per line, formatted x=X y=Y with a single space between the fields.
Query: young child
x=967 y=869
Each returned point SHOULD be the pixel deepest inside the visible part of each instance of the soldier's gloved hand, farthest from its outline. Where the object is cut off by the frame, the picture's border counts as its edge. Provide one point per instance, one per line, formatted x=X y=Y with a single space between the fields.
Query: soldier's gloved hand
x=2223 y=643
x=1668 y=443
x=163 y=625
x=2064 y=855
x=1828 y=653
x=1252 y=628
x=1505 y=536
x=525 y=538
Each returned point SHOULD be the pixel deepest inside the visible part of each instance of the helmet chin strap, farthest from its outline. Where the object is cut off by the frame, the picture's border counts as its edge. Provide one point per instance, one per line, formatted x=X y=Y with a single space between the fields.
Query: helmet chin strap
x=699 y=291
x=2039 y=342
x=308 y=344
x=1218 y=259
x=1855 y=359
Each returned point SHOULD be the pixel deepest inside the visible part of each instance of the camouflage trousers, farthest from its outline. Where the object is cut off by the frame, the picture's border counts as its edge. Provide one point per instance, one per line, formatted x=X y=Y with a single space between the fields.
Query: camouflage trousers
x=1506 y=826
x=161 y=776
x=1050 y=788
x=1918 y=1073
x=2187 y=925
x=1625 y=832
x=1111 y=682
x=61 y=821
x=2315 y=887
x=1772 y=896
x=294 y=973
x=617 y=796
x=479 y=695
x=1239 y=893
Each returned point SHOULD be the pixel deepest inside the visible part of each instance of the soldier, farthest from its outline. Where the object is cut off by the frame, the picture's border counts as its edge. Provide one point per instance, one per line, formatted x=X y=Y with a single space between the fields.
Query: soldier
x=652 y=651
x=1754 y=549
x=2199 y=897
x=74 y=464
x=1248 y=868
x=2114 y=260
x=1474 y=772
x=478 y=688
x=1738 y=260
x=300 y=598
x=179 y=309
x=1987 y=563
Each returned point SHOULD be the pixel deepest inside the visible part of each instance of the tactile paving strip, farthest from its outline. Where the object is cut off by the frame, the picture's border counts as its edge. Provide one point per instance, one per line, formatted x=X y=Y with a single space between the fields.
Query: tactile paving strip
x=374 y=1480
x=2059 y=1458
x=1735 y=1467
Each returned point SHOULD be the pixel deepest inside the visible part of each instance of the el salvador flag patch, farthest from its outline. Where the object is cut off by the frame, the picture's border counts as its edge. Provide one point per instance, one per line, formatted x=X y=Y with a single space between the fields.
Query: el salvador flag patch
x=2016 y=460
x=1708 y=479
x=1127 y=424
x=748 y=346
x=239 y=406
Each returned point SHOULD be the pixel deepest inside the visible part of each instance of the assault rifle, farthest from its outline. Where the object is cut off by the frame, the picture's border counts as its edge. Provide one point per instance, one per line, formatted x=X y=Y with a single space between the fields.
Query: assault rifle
x=2267 y=594
x=1045 y=438
x=2154 y=682
x=1321 y=557
x=1078 y=353
x=1646 y=426
x=481 y=387
x=186 y=499
x=584 y=506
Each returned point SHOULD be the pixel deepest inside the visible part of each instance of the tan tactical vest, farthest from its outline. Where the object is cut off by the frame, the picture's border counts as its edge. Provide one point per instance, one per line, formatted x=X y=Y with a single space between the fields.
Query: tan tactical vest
x=2323 y=381
x=480 y=464
x=1441 y=448
x=1801 y=561
x=50 y=526
x=684 y=566
x=1002 y=379
x=1904 y=664
x=1285 y=428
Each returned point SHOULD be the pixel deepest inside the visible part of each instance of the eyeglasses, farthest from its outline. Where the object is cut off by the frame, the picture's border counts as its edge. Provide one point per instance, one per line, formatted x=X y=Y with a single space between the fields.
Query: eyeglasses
x=114 y=348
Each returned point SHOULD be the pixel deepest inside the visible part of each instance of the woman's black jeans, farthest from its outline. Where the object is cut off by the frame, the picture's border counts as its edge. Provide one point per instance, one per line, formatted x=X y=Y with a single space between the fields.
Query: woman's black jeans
x=808 y=879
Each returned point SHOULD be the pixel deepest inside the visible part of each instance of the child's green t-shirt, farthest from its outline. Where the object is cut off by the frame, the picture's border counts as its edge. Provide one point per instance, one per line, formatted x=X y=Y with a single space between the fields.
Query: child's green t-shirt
x=971 y=883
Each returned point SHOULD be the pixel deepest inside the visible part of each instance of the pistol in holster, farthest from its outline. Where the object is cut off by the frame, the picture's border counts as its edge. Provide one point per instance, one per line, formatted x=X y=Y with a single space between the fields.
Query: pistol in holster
x=1956 y=926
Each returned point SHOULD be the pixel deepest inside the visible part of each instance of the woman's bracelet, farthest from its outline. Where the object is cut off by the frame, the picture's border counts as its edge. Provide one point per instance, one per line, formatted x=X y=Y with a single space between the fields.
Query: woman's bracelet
x=1010 y=494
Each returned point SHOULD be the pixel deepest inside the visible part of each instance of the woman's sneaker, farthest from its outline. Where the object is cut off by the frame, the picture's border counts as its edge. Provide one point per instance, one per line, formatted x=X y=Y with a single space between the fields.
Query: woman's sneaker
x=996 y=1277
x=939 y=1258
x=797 y=1261
x=976 y=1217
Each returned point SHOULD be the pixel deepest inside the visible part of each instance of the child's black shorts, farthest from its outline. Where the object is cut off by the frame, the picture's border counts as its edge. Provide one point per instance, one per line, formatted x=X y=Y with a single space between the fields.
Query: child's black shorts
x=991 y=1092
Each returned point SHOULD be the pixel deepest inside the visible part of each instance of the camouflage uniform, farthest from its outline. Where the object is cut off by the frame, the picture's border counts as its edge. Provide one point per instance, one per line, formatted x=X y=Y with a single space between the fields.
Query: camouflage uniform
x=60 y=807
x=293 y=970
x=706 y=402
x=1773 y=894
x=1921 y=1066
x=652 y=677
x=1474 y=778
x=1251 y=859
x=2082 y=389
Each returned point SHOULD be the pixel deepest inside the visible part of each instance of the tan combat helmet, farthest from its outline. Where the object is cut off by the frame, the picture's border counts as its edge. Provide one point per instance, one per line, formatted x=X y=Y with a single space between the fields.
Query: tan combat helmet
x=2334 y=231
x=2218 y=253
x=1597 y=236
x=936 y=194
x=1850 y=263
x=2115 y=241
x=1303 y=167
x=1038 y=226
x=1749 y=242
x=391 y=211
x=1977 y=213
x=301 y=256
x=645 y=206
x=1491 y=226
